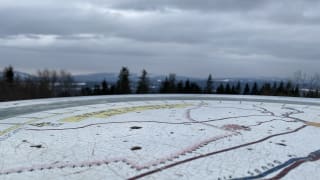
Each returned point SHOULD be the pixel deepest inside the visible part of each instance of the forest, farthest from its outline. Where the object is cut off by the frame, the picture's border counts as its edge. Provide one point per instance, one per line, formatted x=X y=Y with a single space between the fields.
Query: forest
x=51 y=83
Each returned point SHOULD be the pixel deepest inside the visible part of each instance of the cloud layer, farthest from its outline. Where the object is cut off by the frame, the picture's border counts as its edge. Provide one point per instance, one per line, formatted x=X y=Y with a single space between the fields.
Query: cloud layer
x=225 y=38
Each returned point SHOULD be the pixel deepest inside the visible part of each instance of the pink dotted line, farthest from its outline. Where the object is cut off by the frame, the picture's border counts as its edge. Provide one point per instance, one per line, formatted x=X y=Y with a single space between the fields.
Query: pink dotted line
x=132 y=164
x=188 y=116
x=189 y=150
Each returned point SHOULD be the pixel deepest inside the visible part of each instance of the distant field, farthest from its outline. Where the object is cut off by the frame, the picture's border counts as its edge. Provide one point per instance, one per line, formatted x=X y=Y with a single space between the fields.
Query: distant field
x=161 y=137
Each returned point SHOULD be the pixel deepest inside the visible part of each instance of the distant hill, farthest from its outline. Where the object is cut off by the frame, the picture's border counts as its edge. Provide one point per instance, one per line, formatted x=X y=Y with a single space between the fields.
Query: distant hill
x=155 y=80
x=113 y=77
x=97 y=77
x=19 y=74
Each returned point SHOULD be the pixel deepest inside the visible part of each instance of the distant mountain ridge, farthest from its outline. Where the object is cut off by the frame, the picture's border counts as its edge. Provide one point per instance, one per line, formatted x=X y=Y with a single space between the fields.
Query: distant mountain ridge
x=96 y=77
x=21 y=75
x=156 y=79
x=113 y=77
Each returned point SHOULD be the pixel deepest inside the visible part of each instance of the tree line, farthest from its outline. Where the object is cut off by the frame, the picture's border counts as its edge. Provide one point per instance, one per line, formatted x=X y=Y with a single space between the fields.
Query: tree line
x=51 y=83
x=277 y=89
x=45 y=84
x=170 y=85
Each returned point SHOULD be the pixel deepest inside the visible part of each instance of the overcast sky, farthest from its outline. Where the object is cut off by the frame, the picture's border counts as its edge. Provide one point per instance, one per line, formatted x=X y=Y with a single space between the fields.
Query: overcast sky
x=234 y=38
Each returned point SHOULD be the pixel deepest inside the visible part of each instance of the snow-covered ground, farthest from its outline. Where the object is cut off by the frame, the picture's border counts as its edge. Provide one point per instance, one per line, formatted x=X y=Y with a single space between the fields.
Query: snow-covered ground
x=165 y=96
x=168 y=137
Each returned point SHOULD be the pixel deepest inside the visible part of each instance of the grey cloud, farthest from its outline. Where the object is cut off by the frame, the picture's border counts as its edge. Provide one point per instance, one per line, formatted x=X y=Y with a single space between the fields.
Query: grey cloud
x=206 y=5
x=229 y=37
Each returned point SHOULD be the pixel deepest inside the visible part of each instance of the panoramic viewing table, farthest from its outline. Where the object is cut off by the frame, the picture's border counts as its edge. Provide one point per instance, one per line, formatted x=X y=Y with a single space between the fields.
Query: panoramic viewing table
x=160 y=137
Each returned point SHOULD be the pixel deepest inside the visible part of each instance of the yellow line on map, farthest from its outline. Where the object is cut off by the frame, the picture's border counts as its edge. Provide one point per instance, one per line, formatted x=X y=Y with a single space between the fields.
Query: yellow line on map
x=119 y=111
x=315 y=124
x=15 y=127
x=12 y=128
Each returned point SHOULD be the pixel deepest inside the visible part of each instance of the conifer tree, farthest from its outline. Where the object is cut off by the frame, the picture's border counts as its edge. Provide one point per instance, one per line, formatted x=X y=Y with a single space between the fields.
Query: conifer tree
x=8 y=74
x=209 y=85
x=296 y=91
x=220 y=89
x=246 y=89
x=274 y=88
x=233 y=90
x=228 y=89
x=187 y=86
x=172 y=83
x=280 y=89
x=180 y=88
x=165 y=86
x=288 y=89
x=238 y=88
x=143 y=84
x=123 y=84
x=266 y=89
x=195 y=88
x=104 y=87
x=96 y=90
x=255 y=90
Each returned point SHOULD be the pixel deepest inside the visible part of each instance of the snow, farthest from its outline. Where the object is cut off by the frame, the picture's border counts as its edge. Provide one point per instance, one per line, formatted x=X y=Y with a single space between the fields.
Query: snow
x=194 y=96
x=207 y=138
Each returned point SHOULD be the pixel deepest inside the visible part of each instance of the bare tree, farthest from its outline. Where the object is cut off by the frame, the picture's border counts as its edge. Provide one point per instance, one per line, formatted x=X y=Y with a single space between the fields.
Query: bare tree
x=299 y=77
x=44 y=83
x=315 y=81
x=66 y=83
